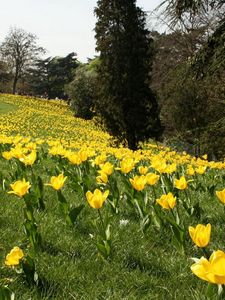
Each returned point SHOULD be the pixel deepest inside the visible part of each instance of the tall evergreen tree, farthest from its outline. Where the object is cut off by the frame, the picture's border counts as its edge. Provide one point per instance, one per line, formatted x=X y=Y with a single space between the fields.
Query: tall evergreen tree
x=126 y=104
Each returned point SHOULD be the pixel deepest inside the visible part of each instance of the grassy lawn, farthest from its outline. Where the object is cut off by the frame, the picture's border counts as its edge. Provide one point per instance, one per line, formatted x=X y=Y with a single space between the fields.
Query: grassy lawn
x=141 y=265
x=6 y=107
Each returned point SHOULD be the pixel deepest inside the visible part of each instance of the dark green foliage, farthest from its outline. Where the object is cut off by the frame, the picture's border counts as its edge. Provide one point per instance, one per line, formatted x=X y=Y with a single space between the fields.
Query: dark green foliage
x=188 y=76
x=211 y=58
x=50 y=75
x=125 y=102
x=82 y=90
x=193 y=112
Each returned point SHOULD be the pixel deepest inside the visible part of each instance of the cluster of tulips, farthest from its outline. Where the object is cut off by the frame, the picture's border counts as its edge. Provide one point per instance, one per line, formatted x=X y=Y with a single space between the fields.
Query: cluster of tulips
x=153 y=190
x=157 y=183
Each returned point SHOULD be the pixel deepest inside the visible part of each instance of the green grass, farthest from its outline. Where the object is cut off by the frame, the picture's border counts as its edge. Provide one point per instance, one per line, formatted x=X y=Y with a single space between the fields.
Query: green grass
x=142 y=266
x=7 y=107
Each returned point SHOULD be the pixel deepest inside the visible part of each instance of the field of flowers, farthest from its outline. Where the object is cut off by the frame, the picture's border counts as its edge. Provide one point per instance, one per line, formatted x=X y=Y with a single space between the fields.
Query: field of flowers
x=80 y=219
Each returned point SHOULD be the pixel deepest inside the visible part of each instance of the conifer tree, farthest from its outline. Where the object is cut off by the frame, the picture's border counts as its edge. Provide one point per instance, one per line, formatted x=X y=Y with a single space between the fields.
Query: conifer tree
x=126 y=104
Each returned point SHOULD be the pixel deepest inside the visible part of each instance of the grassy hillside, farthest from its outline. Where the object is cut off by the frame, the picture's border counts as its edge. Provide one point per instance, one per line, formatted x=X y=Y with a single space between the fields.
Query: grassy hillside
x=121 y=243
x=49 y=120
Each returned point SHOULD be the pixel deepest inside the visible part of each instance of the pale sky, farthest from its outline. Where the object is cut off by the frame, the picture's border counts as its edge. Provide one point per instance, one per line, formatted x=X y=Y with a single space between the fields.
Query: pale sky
x=62 y=26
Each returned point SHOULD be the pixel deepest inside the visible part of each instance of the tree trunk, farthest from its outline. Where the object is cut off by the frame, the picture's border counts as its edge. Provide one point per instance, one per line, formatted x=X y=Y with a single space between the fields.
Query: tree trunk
x=132 y=142
x=14 y=84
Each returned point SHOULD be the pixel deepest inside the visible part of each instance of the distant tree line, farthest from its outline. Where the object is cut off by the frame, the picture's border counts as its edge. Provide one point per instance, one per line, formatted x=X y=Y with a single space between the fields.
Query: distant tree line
x=23 y=71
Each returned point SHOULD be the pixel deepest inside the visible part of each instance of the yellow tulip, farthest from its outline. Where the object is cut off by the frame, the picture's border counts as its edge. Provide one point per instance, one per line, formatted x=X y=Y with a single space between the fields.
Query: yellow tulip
x=97 y=198
x=159 y=165
x=83 y=155
x=167 y=201
x=143 y=170
x=138 y=182
x=212 y=270
x=190 y=170
x=14 y=257
x=57 y=182
x=200 y=170
x=20 y=187
x=100 y=159
x=152 y=178
x=221 y=195
x=170 y=168
x=102 y=178
x=106 y=168
x=126 y=165
x=181 y=183
x=7 y=155
x=29 y=159
x=17 y=152
x=200 y=235
x=74 y=158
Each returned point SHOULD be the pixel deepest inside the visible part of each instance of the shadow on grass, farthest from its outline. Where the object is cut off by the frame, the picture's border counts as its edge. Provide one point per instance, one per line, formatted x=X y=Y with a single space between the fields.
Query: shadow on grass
x=154 y=269
x=49 y=289
x=51 y=249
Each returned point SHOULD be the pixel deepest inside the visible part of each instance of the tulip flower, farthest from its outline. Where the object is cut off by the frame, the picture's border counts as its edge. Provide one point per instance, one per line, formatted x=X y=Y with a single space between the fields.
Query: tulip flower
x=138 y=182
x=167 y=201
x=221 y=195
x=181 y=183
x=126 y=165
x=102 y=178
x=29 y=159
x=57 y=182
x=14 y=257
x=7 y=155
x=201 y=170
x=74 y=158
x=100 y=159
x=152 y=178
x=170 y=168
x=20 y=188
x=106 y=168
x=212 y=270
x=200 y=235
x=143 y=170
x=190 y=170
x=97 y=198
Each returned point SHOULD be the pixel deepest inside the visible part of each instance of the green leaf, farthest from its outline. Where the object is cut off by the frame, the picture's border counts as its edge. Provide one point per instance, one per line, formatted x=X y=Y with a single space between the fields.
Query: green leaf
x=102 y=250
x=210 y=291
x=61 y=197
x=6 y=293
x=29 y=269
x=145 y=223
x=74 y=212
x=140 y=211
x=107 y=232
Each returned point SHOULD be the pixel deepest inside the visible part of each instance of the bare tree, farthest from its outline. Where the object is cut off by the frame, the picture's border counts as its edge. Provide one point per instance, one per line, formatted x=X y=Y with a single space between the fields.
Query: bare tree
x=20 y=51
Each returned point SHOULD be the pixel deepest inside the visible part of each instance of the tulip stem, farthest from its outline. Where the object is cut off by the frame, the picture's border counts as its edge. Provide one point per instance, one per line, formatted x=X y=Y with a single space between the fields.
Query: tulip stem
x=205 y=252
x=154 y=192
x=100 y=216
x=172 y=212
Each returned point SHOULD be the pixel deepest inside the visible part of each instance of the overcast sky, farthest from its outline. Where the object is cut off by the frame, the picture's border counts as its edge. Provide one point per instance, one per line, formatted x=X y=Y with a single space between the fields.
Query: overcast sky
x=62 y=26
